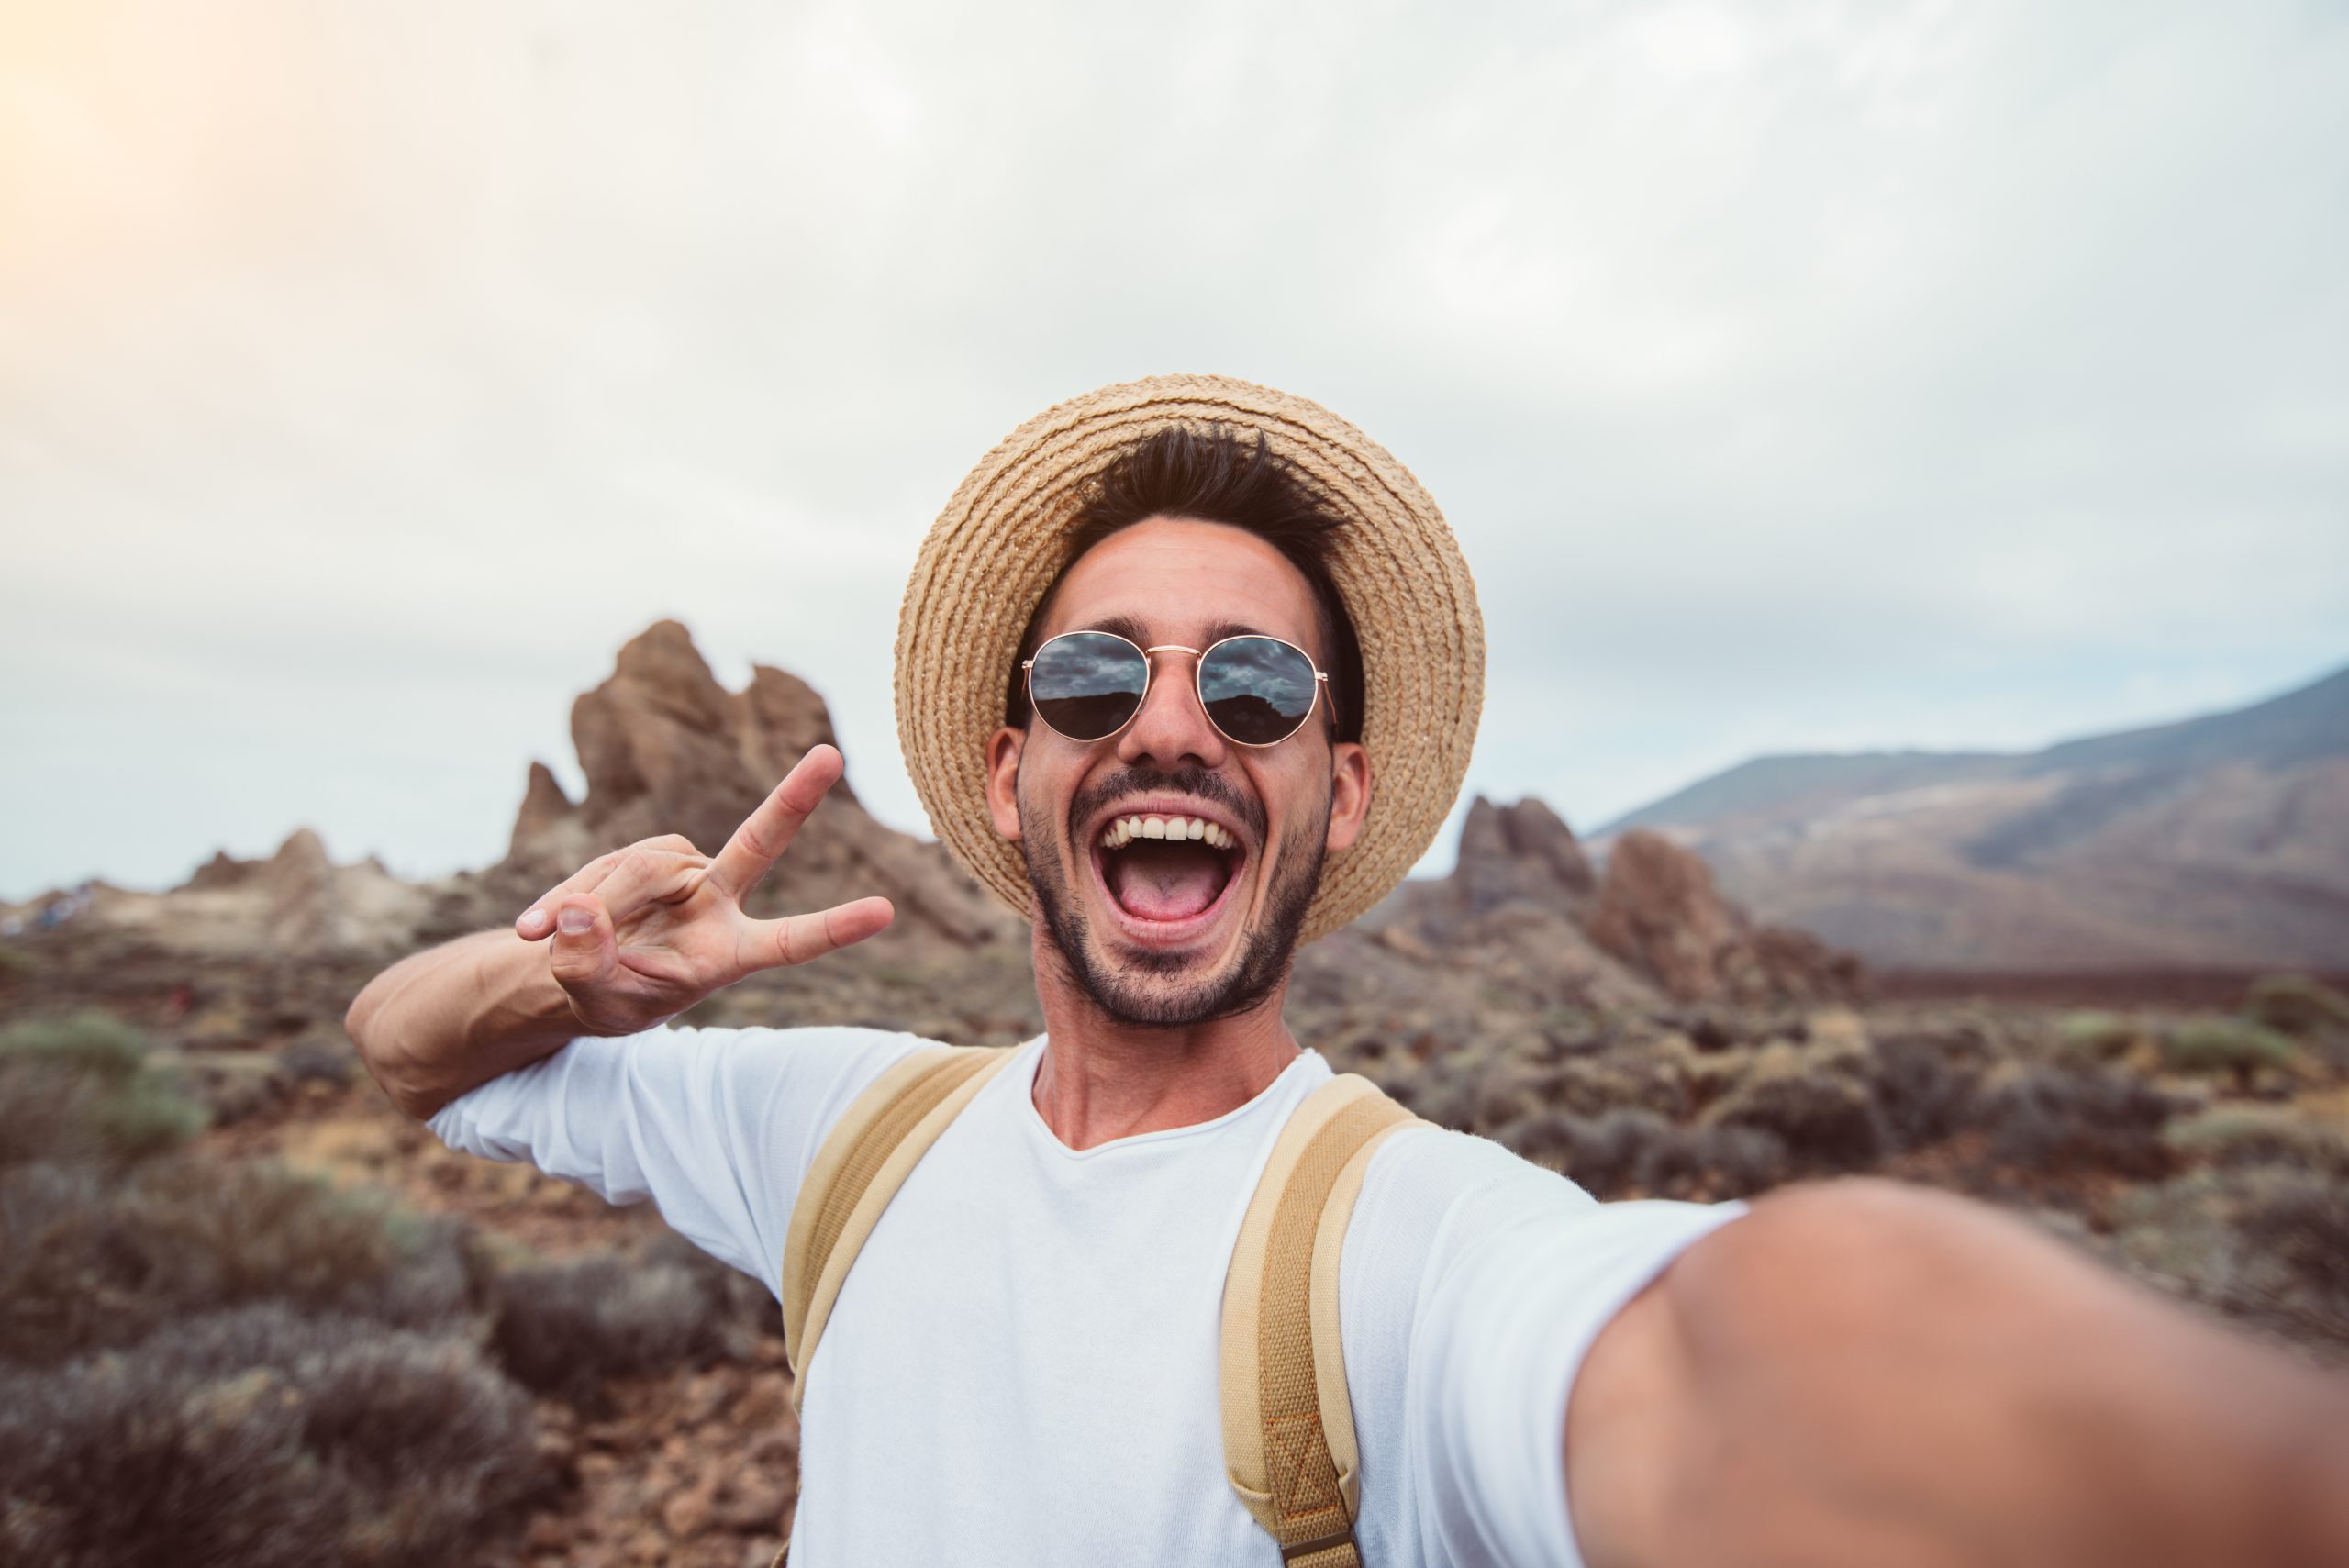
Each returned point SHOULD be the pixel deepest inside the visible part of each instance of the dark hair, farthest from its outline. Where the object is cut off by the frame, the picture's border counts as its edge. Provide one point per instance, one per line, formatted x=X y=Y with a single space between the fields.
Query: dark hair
x=1211 y=475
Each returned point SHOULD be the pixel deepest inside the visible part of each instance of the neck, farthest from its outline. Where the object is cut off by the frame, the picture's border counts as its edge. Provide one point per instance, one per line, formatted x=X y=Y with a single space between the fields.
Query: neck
x=1102 y=1078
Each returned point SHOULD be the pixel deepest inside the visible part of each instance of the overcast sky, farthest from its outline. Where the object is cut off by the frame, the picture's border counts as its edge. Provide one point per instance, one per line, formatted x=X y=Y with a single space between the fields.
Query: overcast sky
x=1796 y=376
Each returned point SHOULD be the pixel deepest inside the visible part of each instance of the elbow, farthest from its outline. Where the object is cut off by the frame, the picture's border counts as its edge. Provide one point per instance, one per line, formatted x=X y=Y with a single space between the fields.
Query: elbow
x=390 y=1068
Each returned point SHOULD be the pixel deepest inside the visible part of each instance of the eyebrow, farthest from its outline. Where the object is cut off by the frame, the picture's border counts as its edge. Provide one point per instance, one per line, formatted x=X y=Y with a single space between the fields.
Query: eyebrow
x=1133 y=631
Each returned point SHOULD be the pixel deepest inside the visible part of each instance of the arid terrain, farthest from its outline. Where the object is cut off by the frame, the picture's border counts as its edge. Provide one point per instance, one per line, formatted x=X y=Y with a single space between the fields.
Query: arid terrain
x=2219 y=844
x=249 y=1314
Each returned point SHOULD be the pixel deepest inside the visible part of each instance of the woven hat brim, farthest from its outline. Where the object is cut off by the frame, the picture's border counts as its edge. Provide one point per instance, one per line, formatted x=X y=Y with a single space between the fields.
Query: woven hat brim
x=995 y=549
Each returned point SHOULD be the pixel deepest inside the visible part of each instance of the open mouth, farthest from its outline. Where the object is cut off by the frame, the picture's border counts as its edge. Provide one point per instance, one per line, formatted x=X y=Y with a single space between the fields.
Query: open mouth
x=1164 y=869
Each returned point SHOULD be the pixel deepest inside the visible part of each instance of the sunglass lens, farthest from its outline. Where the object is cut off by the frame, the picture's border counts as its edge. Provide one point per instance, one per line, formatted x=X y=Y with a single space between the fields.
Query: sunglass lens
x=1087 y=683
x=1256 y=690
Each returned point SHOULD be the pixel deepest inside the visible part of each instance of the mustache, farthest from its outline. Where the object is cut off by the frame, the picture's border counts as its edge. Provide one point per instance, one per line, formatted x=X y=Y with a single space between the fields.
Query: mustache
x=1199 y=784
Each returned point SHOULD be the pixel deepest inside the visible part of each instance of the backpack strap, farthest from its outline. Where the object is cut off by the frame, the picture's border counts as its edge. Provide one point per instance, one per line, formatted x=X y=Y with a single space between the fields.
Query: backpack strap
x=858 y=1169
x=1289 y=1425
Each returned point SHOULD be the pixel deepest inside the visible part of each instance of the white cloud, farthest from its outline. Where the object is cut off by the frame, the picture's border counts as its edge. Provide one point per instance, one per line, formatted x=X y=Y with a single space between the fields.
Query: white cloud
x=1802 y=374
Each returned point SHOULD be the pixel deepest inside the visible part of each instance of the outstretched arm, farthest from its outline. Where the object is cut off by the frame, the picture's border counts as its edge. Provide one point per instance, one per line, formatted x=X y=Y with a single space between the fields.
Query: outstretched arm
x=1877 y=1376
x=635 y=936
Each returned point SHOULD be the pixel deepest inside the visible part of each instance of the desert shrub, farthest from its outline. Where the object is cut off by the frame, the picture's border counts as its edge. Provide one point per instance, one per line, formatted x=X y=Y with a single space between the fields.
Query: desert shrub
x=88 y=1041
x=16 y=961
x=1827 y=1122
x=2051 y=1119
x=1924 y=1086
x=2227 y=1045
x=262 y=1439
x=317 y=1059
x=2297 y=1004
x=2265 y=1244
x=2260 y=1135
x=1629 y=1150
x=79 y=1089
x=2095 y=1037
x=2297 y=1225
x=568 y=1326
x=88 y=1260
x=1713 y=1162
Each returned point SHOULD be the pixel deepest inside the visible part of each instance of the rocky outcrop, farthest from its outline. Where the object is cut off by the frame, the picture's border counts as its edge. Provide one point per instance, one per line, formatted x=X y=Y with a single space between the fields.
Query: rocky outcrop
x=1523 y=852
x=1658 y=910
x=1524 y=915
x=666 y=749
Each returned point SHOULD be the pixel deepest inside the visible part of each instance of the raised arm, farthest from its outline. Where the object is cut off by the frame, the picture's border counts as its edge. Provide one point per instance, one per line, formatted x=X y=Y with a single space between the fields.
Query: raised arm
x=1875 y=1375
x=635 y=936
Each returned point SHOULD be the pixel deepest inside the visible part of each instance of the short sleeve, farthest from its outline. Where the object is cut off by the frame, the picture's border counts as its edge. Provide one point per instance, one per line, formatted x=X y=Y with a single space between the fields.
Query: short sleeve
x=716 y=1126
x=1522 y=1269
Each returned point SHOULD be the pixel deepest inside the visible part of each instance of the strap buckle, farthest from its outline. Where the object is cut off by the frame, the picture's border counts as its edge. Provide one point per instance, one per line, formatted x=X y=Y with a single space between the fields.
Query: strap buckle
x=1308 y=1548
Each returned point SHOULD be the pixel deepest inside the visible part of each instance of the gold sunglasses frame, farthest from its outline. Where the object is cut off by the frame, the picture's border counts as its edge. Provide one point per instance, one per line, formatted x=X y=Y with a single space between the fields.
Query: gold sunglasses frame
x=1321 y=702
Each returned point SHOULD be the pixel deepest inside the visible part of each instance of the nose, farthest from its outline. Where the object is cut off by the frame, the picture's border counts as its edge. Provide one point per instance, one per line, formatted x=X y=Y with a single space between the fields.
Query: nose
x=1171 y=727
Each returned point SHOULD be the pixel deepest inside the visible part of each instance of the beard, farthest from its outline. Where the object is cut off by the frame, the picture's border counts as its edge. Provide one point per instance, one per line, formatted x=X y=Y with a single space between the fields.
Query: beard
x=1148 y=988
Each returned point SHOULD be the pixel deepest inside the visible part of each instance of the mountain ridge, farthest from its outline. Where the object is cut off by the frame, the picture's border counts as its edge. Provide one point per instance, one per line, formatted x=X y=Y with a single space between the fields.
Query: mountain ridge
x=2219 y=839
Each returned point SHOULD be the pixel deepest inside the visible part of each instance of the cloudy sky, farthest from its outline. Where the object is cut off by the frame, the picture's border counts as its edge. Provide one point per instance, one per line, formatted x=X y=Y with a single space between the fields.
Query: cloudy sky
x=1798 y=376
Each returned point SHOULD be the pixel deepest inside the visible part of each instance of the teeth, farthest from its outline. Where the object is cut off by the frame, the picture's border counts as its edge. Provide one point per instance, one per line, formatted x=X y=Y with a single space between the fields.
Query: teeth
x=1126 y=829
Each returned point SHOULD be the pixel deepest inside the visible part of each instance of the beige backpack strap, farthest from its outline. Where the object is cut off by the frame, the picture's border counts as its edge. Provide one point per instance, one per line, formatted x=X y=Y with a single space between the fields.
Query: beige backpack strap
x=858 y=1168
x=1289 y=1425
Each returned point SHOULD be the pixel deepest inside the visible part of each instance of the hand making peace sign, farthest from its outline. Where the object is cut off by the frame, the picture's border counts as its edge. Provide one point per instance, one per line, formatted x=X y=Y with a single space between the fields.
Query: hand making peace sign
x=643 y=933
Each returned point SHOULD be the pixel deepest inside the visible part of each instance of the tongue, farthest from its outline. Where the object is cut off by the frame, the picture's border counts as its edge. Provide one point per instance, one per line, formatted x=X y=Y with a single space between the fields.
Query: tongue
x=1162 y=881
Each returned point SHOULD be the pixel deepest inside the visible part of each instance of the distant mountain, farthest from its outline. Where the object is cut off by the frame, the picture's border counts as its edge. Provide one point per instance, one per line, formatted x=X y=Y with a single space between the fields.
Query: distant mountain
x=2220 y=842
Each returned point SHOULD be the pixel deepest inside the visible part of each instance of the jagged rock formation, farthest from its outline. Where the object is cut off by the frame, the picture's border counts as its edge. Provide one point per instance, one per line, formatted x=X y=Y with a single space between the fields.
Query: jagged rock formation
x=1657 y=910
x=1524 y=915
x=1521 y=852
x=666 y=749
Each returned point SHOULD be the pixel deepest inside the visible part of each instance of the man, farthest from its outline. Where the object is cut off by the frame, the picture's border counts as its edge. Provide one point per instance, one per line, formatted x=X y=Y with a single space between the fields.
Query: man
x=1188 y=669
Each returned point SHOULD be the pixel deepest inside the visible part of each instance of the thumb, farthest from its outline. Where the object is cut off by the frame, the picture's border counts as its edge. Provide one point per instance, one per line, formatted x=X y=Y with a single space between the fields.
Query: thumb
x=585 y=950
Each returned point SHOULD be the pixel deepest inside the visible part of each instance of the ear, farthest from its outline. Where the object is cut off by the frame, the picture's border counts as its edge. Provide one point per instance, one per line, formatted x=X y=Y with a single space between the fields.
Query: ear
x=1003 y=778
x=1349 y=793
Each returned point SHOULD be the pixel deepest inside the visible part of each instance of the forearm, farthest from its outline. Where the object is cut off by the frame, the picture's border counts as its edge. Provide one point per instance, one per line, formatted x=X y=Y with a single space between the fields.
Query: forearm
x=441 y=1021
x=1875 y=1375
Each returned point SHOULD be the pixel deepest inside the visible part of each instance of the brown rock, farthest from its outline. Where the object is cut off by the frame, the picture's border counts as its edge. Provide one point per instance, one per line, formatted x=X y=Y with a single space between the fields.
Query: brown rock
x=548 y=822
x=686 y=1514
x=1658 y=910
x=668 y=750
x=1521 y=852
x=751 y=1502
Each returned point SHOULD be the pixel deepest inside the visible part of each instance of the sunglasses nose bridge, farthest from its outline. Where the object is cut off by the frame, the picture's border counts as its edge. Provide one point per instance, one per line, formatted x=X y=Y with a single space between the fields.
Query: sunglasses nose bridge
x=1150 y=732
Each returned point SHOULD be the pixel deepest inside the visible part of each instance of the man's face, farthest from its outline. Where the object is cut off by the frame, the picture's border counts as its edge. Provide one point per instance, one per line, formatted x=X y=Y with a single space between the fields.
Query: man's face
x=1178 y=931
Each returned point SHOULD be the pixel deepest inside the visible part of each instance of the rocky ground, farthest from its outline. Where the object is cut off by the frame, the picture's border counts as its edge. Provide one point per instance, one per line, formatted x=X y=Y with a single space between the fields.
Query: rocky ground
x=211 y=1223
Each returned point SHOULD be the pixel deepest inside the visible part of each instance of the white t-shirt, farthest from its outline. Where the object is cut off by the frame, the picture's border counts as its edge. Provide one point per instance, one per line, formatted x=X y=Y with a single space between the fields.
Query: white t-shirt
x=1022 y=1368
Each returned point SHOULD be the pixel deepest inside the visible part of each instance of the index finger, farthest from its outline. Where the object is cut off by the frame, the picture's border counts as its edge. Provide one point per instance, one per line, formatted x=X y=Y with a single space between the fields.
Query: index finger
x=767 y=831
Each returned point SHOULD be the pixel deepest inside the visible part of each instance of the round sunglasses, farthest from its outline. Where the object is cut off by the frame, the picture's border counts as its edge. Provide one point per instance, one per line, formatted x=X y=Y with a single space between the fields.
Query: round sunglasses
x=1257 y=691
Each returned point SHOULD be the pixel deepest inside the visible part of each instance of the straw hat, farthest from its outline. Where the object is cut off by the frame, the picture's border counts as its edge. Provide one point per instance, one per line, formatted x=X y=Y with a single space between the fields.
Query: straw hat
x=994 y=551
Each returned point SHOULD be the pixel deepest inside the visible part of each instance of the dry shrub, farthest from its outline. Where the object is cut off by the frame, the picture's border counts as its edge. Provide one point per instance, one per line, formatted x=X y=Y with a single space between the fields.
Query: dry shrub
x=2053 y=1119
x=567 y=1327
x=1828 y=1122
x=2298 y=1006
x=88 y=1260
x=2095 y=1037
x=1713 y=1162
x=1925 y=1085
x=2266 y=1244
x=2227 y=1045
x=78 y=1089
x=1629 y=1150
x=262 y=1439
x=2241 y=1135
